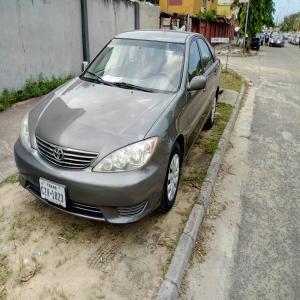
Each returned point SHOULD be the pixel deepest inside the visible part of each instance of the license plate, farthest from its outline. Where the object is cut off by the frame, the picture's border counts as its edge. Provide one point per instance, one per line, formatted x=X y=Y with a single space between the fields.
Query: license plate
x=53 y=192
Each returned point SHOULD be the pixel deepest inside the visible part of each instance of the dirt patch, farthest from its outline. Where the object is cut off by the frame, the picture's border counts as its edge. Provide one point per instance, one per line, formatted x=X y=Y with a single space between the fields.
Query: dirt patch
x=52 y=255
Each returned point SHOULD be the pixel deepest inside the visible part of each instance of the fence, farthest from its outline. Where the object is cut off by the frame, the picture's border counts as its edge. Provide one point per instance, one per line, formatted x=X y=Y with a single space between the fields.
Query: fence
x=212 y=29
x=46 y=36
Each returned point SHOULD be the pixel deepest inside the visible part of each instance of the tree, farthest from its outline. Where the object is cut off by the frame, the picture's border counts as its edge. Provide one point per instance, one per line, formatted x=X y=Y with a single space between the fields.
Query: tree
x=208 y=15
x=291 y=22
x=260 y=14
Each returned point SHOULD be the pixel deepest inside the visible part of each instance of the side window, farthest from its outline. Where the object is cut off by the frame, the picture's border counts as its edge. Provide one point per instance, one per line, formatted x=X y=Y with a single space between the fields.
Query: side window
x=195 y=67
x=206 y=56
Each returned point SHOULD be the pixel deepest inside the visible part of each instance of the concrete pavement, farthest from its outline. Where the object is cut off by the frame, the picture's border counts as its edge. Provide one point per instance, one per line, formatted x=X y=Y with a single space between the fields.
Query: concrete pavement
x=254 y=253
x=10 y=121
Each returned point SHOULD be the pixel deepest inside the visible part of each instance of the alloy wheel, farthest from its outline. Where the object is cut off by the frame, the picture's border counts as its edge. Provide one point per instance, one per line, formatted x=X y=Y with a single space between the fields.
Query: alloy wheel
x=173 y=177
x=213 y=111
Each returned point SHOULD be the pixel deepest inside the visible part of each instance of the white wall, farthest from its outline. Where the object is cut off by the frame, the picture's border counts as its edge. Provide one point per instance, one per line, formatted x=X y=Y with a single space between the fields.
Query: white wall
x=38 y=37
x=149 y=13
x=106 y=19
x=44 y=36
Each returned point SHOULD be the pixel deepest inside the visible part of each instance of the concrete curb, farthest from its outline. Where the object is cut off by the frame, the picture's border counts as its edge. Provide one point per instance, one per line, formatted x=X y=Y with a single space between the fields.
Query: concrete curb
x=170 y=287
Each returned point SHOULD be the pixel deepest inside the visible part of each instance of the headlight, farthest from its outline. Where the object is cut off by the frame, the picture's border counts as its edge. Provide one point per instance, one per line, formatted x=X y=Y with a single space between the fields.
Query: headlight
x=24 y=134
x=128 y=158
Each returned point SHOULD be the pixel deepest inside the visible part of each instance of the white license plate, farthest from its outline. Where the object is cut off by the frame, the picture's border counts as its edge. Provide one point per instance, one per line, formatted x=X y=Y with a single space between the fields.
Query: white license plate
x=53 y=192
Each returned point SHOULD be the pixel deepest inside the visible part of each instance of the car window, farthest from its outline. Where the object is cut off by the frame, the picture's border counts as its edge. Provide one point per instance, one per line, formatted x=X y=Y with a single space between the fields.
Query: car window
x=206 y=56
x=195 y=67
x=147 y=64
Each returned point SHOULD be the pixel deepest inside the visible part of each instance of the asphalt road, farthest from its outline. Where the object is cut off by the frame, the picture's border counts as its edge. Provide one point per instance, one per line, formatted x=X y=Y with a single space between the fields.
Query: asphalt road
x=261 y=234
x=267 y=262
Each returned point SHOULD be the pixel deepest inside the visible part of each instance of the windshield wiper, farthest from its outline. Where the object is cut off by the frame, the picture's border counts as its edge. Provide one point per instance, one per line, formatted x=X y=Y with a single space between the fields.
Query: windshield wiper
x=126 y=85
x=100 y=79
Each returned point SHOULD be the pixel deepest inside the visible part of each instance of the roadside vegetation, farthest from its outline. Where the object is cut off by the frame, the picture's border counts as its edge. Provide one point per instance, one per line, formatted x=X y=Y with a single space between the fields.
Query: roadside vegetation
x=32 y=88
x=10 y=179
x=206 y=145
x=230 y=80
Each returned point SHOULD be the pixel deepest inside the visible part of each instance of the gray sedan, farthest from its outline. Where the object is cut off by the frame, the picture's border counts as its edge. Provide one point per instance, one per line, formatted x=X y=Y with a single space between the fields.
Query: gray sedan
x=109 y=144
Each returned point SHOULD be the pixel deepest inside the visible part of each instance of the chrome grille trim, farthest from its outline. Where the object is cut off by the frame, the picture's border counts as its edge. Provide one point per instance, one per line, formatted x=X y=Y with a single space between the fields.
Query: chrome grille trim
x=73 y=158
x=128 y=211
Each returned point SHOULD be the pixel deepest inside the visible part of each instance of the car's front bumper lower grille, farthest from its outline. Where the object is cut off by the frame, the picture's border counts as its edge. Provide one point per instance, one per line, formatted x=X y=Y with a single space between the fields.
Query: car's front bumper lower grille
x=74 y=208
x=65 y=157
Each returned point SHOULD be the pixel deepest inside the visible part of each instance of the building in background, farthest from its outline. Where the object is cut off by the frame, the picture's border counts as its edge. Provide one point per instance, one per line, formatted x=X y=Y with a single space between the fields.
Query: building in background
x=210 y=4
x=224 y=8
x=182 y=7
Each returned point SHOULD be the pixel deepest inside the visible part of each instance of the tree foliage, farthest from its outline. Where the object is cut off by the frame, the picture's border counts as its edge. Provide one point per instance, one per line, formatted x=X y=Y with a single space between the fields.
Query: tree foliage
x=260 y=14
x=291 y=22
x=208 y=15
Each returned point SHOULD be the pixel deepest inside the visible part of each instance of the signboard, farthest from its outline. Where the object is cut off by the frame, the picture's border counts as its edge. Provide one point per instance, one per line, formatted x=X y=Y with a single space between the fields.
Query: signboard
x=220 y=40
x=225 y=2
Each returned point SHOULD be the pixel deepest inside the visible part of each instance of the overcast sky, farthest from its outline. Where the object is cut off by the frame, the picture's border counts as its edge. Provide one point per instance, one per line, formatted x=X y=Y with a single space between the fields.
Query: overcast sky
x=286 y=7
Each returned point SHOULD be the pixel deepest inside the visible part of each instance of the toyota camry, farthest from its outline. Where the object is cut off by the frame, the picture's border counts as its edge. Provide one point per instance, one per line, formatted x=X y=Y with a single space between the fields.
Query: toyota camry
x=109 y=144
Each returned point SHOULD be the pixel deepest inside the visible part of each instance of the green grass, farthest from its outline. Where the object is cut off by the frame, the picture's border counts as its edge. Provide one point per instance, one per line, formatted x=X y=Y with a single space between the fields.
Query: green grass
x=3 y=294
x=210 y=143
x=69 y=231
x=231 y=80
x=4 y=270
x=32 y=88
x=10 y=179
x=194 y=180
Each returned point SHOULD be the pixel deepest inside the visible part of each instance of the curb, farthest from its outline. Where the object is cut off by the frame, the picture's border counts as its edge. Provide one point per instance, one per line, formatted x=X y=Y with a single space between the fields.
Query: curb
x=170 y=287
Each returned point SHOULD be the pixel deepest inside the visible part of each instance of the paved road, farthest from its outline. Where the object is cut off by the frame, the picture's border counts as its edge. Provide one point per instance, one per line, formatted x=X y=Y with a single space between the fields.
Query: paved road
x=267 y=262
x=266 y=251
x=10 y=121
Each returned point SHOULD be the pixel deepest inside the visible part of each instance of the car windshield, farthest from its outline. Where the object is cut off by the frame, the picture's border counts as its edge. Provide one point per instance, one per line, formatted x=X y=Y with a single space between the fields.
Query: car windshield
x=151 y=65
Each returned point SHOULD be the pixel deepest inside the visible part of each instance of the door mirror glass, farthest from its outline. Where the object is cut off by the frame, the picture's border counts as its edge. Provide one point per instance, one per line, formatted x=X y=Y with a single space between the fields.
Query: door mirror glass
x=197 y=83
x=84 y=65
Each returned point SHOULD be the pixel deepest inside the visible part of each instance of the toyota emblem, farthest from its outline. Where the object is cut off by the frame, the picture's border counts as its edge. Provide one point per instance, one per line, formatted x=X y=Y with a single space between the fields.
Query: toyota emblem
x=58 y=153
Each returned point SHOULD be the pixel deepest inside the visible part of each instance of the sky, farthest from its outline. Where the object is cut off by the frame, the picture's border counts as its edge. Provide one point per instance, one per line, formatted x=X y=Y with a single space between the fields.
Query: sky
x=285 y=7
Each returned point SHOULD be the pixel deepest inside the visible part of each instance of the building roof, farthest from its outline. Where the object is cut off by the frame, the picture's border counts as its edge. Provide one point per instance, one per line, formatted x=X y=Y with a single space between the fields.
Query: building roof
x=159 y=35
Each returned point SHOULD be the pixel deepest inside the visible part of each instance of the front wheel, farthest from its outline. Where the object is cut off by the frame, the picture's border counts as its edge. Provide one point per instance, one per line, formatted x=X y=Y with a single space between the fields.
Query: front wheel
x=171 y=180
x=211 y=120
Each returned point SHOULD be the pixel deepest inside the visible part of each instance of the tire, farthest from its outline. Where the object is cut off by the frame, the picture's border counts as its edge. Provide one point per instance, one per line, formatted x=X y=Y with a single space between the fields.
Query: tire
x=211 y=120
x=171 y=187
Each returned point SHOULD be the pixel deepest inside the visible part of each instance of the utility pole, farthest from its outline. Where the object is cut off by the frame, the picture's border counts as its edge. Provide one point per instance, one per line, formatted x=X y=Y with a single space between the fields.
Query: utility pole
x=246 y=25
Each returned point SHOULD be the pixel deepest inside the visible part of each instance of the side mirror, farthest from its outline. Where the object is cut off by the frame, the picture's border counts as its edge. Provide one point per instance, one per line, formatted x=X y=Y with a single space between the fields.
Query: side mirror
x=84 y=65
x=197 y=83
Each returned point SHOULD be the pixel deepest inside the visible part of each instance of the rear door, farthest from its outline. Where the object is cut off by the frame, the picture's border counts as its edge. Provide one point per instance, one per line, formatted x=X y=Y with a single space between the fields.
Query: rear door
x=210 y=69
x=195 y=107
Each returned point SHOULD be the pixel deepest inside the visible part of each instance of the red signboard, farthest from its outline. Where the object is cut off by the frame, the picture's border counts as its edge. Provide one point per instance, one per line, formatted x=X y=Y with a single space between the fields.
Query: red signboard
x=174 y=2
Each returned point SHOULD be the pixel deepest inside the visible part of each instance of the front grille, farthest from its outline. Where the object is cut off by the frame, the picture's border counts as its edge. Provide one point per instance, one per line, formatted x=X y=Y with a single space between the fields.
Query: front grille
x=128 y=211
x=86 y=210
x=69 y=158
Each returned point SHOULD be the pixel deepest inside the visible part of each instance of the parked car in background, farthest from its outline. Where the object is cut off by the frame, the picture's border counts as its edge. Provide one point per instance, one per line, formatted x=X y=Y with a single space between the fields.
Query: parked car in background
x=109 y=144
x=255 y=44
x=296 y=39
x=276 y=40
x=261 y=37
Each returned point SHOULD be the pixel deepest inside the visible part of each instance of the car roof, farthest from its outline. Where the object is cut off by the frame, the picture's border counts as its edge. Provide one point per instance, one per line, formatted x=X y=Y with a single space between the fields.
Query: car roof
x=157 y=35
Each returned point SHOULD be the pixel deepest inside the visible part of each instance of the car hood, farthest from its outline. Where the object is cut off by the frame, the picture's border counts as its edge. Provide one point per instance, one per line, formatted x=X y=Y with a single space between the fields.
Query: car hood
x=96 y=117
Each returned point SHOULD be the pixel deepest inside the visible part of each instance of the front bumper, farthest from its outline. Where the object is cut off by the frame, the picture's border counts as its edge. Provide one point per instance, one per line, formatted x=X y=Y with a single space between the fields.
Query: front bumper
x=113 y=197
x=275 y=44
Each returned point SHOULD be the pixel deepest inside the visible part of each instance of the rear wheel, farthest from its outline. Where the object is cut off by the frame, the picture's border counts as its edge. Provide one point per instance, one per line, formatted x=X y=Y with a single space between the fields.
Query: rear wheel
x=210 y=121
x=171 y=180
